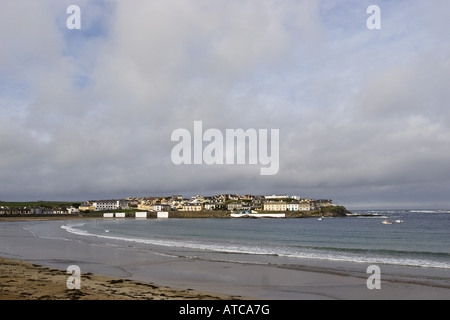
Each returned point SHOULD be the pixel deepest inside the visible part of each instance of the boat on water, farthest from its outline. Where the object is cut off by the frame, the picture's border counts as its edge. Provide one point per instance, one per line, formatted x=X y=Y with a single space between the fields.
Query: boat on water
x=386 y=222
x=398 y=221
x=320 y=219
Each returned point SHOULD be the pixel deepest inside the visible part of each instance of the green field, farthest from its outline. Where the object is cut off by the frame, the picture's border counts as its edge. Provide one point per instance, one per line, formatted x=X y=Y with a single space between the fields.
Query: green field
x=46 y=204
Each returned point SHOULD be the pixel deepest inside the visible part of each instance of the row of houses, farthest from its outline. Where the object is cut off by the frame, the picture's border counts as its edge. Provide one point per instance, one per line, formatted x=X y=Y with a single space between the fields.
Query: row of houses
x=286 y=206
x=281 y=206
x=222 y=202
x=104 y=205
x=36 y=210
x=230 y=202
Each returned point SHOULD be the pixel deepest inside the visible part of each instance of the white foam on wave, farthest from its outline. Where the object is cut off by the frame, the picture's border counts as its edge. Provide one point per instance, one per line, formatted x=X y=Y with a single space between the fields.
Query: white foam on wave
x=39 y=235
x=372 y=260
x=287 y=252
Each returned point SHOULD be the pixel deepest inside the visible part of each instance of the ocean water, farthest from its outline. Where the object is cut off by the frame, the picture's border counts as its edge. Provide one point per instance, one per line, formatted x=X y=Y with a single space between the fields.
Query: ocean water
x=421 y=241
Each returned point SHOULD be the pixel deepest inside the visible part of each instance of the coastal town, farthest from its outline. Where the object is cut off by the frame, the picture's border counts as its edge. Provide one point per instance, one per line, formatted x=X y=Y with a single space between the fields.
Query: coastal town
x=176 y=203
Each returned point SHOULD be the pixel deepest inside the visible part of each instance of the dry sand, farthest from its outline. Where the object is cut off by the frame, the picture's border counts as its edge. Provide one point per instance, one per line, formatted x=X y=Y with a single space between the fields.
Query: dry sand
x=21 y=280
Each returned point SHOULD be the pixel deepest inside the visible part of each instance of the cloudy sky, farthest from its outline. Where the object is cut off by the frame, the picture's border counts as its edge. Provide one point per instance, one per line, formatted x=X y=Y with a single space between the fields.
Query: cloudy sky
x=363 y=115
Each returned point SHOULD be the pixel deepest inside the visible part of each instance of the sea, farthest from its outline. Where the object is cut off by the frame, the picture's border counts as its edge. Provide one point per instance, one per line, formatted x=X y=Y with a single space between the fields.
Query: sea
x=415 y=238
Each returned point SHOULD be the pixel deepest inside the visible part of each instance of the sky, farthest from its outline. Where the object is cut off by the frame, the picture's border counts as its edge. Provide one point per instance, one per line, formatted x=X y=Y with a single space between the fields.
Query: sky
x=363 y=114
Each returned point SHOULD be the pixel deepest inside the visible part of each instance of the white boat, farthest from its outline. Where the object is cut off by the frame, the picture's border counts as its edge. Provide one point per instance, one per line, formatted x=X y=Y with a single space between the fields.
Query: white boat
x=320 y=219
x=386 y=222
x=398 y=221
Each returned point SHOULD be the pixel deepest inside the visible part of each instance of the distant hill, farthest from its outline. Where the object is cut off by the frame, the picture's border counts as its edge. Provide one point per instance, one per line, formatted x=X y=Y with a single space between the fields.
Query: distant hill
x=46 y=204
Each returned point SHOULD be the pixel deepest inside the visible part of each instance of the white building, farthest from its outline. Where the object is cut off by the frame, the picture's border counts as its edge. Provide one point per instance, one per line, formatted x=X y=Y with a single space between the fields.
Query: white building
x=161 y=207
x=106 y=205
x=277 y=196
x=274 y=206
x=292 y=206
x=211 y=206
x=72 y=210
x=304 y=206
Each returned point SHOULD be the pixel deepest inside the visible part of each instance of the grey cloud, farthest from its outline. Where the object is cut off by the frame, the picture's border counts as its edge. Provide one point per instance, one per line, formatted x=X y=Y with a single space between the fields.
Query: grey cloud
x=417 y=87
x=362 y=116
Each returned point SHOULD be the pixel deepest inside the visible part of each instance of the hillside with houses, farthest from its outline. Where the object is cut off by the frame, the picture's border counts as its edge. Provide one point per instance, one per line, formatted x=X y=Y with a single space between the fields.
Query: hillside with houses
x=233 y=203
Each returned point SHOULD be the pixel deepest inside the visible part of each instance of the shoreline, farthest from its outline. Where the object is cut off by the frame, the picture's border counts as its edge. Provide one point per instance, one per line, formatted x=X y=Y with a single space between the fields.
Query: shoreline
x=118 y=269
x=24 y=280
x=337 y=211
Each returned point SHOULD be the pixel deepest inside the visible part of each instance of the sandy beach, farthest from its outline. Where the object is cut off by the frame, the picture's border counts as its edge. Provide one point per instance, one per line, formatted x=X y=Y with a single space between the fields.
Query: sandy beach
x=20 y=280
x=37 y=253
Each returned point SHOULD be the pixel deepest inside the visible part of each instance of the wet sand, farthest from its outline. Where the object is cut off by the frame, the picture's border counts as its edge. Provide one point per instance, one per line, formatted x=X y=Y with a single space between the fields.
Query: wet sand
x=20 y=280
